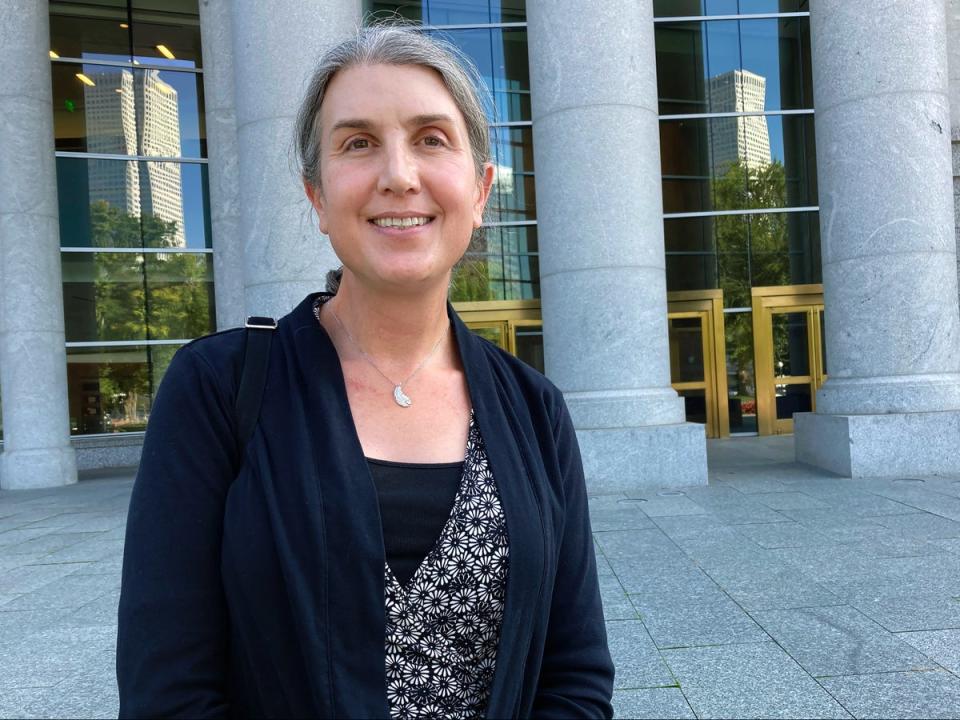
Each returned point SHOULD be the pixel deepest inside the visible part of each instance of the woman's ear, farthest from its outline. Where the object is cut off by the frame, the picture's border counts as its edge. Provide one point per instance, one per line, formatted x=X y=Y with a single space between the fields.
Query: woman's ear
x=315 y=196
x=484 y=185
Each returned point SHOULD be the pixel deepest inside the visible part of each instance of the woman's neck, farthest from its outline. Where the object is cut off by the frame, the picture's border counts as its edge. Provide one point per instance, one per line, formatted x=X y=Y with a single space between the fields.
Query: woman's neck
x=397 y=330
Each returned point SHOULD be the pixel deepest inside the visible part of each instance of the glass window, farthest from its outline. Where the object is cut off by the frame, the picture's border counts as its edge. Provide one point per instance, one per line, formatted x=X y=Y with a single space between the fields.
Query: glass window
x=506 y=239
x=111 y=389
x=735 y=163
x=688 y=8
x=129 y=296
x=514 y=194
x=501 y=59
x=452 y=12
x=529 y=343
x=733 y=65
x=737 y=252
x=741 y=383
x=495 y=277
x=90 y=29
x=132 y=204
x=166 y=32
x=128 y=111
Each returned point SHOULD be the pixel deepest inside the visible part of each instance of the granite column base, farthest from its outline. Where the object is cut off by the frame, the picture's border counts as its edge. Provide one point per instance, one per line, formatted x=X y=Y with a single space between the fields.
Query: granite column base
x=883 y=446
x=618 y=460
x=37 y=468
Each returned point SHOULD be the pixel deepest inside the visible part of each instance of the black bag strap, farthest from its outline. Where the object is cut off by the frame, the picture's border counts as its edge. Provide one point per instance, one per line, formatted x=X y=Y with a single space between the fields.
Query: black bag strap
x=253 y=379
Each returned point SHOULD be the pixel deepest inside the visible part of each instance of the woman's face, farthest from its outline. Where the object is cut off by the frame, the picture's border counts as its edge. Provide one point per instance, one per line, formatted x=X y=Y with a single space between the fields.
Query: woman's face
x=399 y=193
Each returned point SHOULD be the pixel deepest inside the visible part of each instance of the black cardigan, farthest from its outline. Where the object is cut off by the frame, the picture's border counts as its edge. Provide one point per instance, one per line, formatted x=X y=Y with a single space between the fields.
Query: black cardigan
x=253 y=577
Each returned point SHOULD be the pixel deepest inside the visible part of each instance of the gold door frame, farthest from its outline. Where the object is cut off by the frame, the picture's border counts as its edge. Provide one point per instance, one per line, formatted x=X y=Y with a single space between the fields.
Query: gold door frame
x=708 y=306
x=507 y=316
x=504 y=316
x=768 y=301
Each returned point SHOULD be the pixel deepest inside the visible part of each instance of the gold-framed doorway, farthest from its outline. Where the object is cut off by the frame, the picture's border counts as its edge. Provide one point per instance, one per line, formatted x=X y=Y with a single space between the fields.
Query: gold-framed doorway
x=698 y=368
x=789 y=353
x=514 y=325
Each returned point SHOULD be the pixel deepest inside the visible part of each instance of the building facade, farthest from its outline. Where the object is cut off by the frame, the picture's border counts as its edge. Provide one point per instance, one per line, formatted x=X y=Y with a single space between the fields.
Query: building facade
x=700 y=207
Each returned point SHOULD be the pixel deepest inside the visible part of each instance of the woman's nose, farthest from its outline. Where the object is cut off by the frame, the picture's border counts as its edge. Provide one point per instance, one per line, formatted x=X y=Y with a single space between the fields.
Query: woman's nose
x=399 y=173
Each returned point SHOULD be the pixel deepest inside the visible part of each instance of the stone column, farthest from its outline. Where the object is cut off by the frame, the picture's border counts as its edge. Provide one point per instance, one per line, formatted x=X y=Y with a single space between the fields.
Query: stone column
x=275 y=48
x=891 y=403
x=33 y=364
x=217 y=39
x=600 y=217
x=953 y=61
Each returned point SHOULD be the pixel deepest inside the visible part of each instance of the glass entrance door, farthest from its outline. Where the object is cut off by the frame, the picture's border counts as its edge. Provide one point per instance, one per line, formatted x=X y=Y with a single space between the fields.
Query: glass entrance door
x=697 y=368
x=790 y=355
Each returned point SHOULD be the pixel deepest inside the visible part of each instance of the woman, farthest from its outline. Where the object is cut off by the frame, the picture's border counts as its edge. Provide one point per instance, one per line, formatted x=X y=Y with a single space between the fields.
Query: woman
x=353 y=559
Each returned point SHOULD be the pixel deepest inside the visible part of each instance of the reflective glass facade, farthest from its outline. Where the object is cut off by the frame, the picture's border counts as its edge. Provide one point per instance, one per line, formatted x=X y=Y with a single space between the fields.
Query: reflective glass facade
x=738 y=160
x=135 y=237
x=502 y=263
x=738 y=178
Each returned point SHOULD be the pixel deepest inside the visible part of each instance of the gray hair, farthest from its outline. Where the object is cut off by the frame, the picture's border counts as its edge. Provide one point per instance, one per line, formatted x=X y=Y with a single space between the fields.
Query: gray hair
x=392 y=44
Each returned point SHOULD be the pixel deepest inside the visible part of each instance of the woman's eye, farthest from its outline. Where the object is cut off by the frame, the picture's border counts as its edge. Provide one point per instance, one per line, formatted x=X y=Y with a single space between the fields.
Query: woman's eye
x=432 y=141
x=358 y=144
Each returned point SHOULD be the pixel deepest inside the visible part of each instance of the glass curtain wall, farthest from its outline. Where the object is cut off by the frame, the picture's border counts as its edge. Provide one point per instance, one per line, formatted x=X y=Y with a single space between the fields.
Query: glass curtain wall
x=134 y=209
x=502 y=262
x=738 y=161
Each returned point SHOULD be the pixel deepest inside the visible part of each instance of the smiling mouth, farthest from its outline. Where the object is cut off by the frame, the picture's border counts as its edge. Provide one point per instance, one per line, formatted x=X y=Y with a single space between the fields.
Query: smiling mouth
x=402 y=222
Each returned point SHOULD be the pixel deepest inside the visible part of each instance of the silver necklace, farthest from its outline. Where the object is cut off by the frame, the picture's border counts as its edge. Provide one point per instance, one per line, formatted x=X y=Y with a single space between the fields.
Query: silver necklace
x=399 y=396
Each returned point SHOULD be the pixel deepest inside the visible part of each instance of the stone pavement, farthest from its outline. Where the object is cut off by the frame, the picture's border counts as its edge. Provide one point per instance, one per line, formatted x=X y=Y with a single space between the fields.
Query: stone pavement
x=776 y=591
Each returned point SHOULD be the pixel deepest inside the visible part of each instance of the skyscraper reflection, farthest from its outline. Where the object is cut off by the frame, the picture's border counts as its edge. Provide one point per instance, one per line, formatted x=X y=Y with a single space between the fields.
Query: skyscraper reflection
x=135 y=113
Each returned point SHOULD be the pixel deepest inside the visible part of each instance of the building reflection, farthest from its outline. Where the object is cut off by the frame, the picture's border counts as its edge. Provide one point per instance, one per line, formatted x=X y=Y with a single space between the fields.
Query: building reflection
x=744 y=139
x=135 y=113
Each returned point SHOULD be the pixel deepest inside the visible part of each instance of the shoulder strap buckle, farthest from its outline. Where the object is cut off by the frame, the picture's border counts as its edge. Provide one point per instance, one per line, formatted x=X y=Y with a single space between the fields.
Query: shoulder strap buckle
x=258 y=322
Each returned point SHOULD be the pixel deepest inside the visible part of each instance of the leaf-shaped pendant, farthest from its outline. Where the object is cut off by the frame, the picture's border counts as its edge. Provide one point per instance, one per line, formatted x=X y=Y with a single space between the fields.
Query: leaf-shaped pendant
x=401 y=398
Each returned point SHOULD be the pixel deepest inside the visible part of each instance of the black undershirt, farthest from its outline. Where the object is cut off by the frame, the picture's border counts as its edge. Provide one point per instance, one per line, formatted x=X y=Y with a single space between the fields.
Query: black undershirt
x=415 y=503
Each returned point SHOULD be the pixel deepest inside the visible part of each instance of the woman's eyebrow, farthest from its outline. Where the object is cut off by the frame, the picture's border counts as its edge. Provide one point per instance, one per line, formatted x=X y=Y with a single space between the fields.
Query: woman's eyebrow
x=431 y=119
x=351 y=124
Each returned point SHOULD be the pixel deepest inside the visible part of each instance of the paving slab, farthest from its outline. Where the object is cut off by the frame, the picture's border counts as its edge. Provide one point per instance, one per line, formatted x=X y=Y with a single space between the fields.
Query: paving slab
x=756 y=680
x=683 y=624
x=930 y=694
x=616 y=603
x=839 y=640
x=680 y=582
x=15 y=701
x=28 y=578
x=72 y=591
x=941 y=646
x=783 y=534
x=791 y=500
x=922 y=526
x=651 y=703
x=44 y=658
x=91 y=694
x=623 y=517
x=770 y=587
x=912 y=613
x=636 y=658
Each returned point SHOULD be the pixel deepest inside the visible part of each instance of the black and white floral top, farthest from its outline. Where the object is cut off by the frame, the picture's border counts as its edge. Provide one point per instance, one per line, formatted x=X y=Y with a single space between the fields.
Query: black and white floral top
x=443 y=626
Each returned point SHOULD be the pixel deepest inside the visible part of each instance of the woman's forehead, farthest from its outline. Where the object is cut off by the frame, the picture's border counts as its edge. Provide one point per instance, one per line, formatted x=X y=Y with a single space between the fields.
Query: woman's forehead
x=387 y=93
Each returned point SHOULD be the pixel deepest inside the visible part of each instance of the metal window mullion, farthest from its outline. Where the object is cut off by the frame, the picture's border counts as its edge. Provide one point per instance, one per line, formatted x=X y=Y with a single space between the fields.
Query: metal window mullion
x=129 y=158
x=510 y=223
x=751 y=211
x=477 y=26
x=737 y=114
x=707 y=18
x=139 y=251
x=124 y=343
x=125 y=64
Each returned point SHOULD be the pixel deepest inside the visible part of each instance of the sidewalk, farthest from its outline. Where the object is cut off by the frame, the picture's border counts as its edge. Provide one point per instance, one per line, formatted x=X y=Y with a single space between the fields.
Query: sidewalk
x=776 y=591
